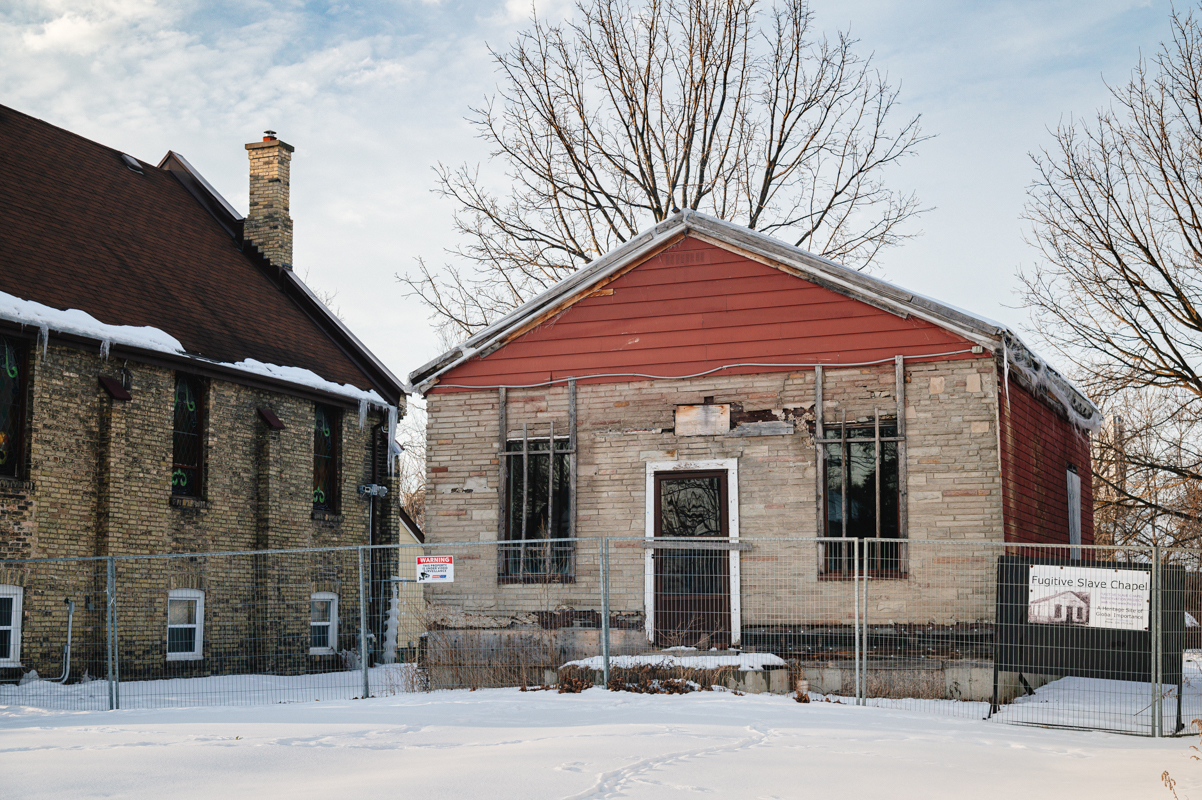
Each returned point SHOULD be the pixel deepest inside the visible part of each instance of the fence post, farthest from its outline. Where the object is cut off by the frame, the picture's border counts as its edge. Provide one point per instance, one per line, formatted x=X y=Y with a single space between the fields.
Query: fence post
x=110 y=598
x=855 y=587
x=605 y=610
x=363 y=626
x=1155 y=628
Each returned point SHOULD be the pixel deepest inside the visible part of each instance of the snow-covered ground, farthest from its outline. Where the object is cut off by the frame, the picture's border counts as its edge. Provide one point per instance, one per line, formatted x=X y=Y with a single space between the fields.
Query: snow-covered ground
x=502 y=743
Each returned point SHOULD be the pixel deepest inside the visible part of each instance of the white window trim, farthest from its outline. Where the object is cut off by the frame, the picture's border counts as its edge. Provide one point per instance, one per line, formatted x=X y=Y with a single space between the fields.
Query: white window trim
x=197 y=653
x=731 y=466
x=332 y=649
x=18 y=595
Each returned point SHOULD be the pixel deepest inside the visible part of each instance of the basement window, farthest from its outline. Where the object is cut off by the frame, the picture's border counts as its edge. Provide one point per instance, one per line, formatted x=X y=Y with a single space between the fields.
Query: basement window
x=10 y=625
x=185 y=624
x=323 y=624
x=538 y=511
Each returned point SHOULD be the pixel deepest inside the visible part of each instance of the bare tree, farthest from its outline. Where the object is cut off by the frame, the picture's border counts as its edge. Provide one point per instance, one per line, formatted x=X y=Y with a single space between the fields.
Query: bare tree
x=1142 y=496
x=612 y=121
x=411 y=465
x=1117 y=213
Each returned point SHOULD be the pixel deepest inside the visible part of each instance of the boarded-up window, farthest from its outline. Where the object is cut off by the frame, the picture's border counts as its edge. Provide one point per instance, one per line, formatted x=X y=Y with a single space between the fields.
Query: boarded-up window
x=1074 y=510
x=706 y=420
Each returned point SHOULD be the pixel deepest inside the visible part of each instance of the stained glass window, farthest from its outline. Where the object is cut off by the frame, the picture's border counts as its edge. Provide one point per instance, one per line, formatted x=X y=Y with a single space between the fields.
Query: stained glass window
x=325 y=459
x=12 y=407
x=186 y=442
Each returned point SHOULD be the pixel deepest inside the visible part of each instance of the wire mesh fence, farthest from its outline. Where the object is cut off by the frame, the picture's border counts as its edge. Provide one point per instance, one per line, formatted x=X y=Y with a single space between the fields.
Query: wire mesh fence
x=1076 y=636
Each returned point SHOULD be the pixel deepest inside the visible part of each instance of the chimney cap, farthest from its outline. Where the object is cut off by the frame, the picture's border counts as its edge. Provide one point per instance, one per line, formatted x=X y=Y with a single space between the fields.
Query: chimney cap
x=269 y=136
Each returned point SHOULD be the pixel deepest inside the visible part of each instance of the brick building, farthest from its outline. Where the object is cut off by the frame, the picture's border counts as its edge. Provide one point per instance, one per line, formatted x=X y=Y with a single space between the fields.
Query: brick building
x=169 y=385
x=704 y=380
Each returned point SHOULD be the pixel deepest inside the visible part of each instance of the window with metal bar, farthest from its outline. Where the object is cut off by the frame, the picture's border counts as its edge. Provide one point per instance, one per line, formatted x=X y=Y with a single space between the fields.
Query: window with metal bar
x=862 y=499
x=187 y=438
x=13 y=389
x=538 y=510
x=326 y=424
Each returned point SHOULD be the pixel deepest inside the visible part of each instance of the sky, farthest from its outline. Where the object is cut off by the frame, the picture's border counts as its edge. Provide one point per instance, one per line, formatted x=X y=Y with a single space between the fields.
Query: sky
x=373 y=96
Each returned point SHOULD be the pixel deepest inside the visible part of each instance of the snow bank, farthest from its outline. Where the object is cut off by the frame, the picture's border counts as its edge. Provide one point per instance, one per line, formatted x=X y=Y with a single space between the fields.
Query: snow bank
x=744 y=662
x=506 y=745
x=217 y=690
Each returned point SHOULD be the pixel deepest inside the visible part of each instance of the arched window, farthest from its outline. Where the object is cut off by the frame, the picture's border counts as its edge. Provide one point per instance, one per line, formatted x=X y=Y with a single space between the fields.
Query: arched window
x=13 y=384
x=186 y=446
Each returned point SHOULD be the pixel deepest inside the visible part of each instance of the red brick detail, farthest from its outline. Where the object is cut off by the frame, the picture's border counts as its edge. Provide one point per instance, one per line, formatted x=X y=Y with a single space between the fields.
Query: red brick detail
x=1037 y=446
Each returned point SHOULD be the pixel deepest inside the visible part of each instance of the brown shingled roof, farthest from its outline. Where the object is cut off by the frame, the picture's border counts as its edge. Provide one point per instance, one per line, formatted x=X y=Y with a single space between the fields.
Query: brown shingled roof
x=79 y=229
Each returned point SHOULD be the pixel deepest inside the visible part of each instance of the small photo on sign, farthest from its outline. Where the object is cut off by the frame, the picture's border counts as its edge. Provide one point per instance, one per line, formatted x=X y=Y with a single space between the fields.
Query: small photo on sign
x=436 y=569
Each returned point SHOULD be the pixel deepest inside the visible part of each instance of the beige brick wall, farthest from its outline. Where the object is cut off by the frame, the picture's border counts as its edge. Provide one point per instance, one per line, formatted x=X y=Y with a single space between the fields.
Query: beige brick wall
x=954 y=489
x=99 y=484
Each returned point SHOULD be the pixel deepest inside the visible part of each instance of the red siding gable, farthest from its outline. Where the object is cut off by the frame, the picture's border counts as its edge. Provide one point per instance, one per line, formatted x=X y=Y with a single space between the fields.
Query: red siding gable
x=695 y=307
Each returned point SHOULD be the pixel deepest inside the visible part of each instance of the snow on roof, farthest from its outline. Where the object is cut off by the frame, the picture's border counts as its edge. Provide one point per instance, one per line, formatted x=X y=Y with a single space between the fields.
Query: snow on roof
x=80 y=323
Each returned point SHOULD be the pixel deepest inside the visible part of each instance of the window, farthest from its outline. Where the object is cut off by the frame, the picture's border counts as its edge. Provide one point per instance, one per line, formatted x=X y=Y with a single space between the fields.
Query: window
x=10 y=625
x=538 y=508
x=186 y=440
x=325 y=459
x=862 y=500
x=13 y=380
x=323 y=624
x=185 y=624
x=1074 y=511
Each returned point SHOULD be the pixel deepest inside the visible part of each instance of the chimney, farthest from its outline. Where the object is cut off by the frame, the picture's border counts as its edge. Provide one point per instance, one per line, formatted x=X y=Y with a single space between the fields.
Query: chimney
x=268 y=225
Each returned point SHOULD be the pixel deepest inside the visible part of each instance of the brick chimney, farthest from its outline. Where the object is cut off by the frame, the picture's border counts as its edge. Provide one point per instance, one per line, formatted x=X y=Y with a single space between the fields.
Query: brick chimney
x=268 y=224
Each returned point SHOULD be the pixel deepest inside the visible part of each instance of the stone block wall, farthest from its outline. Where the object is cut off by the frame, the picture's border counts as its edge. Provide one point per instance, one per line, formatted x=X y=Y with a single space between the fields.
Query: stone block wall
x=98 y=483
x=954 y=490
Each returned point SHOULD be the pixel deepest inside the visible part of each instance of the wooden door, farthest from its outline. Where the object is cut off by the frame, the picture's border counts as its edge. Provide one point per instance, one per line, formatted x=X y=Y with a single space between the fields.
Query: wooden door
x=692 y=585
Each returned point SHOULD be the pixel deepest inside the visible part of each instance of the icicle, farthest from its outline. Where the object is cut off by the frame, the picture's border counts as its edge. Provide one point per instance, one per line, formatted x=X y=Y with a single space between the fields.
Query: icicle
x=105 y=344
x=392 y=418
x=362 y=412
x=44 y=335
x=1006 y=369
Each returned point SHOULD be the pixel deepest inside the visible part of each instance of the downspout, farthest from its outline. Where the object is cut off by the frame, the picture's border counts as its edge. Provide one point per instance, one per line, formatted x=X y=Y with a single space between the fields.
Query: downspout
x=67 y=647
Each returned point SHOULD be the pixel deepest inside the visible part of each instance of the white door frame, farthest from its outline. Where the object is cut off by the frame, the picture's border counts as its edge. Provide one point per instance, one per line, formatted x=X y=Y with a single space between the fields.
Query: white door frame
x=731 y=467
